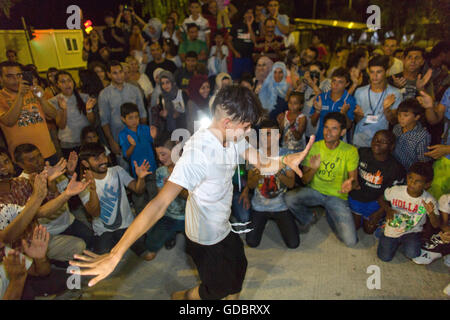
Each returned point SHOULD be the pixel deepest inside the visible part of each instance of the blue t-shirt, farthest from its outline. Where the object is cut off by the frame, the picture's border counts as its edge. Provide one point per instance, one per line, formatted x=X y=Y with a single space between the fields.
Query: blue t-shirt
x=328 y=105
x=374 y=119
x=144 y=146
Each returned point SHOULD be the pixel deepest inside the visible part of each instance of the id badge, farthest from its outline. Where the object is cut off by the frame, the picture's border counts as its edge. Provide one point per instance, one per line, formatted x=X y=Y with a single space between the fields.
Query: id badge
x=372 y=119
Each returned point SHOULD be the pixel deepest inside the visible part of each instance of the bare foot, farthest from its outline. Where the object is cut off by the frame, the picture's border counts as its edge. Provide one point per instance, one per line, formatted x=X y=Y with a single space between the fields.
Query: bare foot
x=149 y=256
x=179 y=295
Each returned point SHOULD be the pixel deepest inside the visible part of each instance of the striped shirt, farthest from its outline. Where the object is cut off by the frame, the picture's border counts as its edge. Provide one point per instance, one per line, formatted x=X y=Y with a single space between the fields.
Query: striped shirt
x=410 y=146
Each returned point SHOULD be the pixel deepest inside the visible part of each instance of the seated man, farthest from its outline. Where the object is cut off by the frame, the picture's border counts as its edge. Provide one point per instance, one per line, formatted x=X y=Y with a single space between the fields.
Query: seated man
x=25 y=271
x=107 y=200
x=68 y=235
x=330 y=171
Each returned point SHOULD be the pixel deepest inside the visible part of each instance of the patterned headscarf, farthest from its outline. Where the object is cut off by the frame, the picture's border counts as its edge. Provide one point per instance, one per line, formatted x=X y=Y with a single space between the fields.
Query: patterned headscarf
x=271 y=89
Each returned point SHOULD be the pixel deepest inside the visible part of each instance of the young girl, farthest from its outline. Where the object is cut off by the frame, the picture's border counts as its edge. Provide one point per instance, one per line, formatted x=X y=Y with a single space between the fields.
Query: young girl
x=217 y=62
x=165 y=230
x=293 y=123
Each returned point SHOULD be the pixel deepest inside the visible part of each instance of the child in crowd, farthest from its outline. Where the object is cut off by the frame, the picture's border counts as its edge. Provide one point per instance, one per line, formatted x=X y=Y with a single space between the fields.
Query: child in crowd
x=406 y=209
x=217 y=61
x=293 y=123
x=268 y=200
x=136 y=142
x=165 y=230
x=412 y=138
x=89 y=134
x=434 y=246
x=377 y=171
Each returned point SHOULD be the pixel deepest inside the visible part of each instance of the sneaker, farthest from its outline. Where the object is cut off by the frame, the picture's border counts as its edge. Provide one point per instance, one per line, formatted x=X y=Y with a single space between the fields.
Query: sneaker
x=170 y=243
x=447 y=260
x=426 y=257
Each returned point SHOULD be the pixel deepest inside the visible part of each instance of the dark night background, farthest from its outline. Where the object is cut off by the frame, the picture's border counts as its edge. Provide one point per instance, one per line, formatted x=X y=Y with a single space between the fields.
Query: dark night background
x=46 y=14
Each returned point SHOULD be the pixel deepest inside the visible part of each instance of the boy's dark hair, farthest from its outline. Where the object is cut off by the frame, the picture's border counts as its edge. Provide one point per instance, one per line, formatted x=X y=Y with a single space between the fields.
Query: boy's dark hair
x=300 y=96
x=319 y=64
x=22 y=149
x=380 y=61
x=191 y=25
x=128 y=108
x=410 y=105
x=414 y=48
x=9 y=64
x=355 y=56
x=424 y=169
x=440 y=47
x=86 y=130
x=390 y=38
x=270 y=19
x=341 y=73
x=191 y=54
x=194 y=1
x=240 y=103
x=339 y=117
x=314 y=49
x=397 y=51
x=388 y=134
x=91 y=150
x=11 y=50
x=113 y=63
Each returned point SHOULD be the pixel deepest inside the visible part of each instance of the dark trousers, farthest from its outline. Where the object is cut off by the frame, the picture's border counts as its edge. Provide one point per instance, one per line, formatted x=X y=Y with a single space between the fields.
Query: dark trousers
x=105 y=242
x=285 y=222
x=54 y=283
x=80 y=230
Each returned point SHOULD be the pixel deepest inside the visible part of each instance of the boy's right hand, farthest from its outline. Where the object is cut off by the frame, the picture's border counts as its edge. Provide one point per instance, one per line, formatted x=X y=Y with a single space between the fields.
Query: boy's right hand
x=15 y=265
x=390 y=213
x=131 y=140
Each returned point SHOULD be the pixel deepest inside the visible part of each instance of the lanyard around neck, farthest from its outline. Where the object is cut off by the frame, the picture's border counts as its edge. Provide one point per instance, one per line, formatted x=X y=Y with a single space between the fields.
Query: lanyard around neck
x=370 y=102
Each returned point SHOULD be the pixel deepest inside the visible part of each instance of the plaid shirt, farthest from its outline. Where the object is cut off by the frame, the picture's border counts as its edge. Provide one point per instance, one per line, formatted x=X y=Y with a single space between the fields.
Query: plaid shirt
x=411 y=146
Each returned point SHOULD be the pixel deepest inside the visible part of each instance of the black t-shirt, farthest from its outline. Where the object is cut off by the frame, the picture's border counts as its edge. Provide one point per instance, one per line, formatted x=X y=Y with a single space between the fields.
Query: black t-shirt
x=182 y=77
x=241 y=38
x=114 y=44
x=152 y=66
x=376 y=176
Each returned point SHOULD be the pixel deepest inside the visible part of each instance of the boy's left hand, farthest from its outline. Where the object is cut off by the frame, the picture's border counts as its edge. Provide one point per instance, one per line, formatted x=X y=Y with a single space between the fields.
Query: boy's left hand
x=346 y=186
x=428 y=206
x=143 y=170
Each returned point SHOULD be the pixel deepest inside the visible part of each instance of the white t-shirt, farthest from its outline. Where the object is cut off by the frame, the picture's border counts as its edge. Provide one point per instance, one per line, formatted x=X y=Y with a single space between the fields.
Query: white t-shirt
x=65 y=218
x=411 y=213
x=444 y=203
x=201 y=22
x=4 y=279
x=206 y=169
x=115 y=211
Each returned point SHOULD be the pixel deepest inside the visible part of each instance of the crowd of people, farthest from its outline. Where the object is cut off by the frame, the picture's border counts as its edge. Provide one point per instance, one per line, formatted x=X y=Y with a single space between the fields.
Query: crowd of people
x=82 y=160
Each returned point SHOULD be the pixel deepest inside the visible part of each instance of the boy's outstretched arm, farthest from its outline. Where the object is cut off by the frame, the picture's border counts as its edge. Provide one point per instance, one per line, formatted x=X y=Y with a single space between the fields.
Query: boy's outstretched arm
x=102 y=266
x=273 y=165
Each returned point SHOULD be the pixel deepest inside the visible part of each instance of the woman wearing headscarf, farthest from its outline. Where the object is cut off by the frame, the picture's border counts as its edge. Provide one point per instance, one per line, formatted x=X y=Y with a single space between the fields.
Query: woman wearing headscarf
x=222 y=79
x=198 y=105
x=274 y=91
x=262 y=70
x=153 y=29
x=170 y=113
